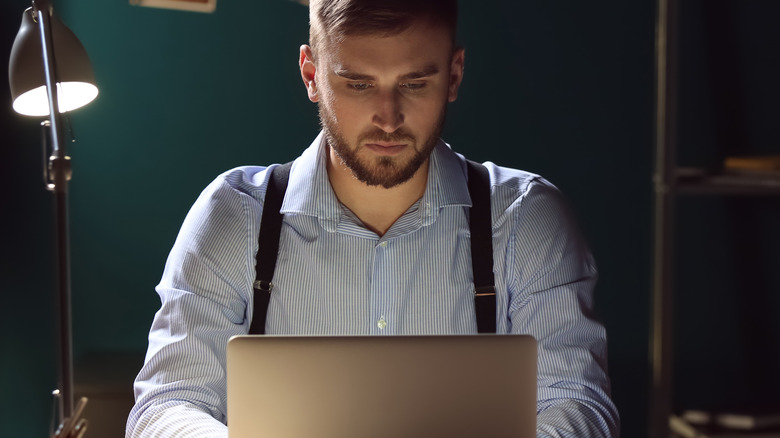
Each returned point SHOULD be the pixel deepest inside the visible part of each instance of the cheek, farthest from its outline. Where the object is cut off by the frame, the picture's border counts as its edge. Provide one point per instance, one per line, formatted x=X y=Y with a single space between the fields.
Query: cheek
x=426 y=113
x=350 y=119
x=350 y=111
x=326 y=97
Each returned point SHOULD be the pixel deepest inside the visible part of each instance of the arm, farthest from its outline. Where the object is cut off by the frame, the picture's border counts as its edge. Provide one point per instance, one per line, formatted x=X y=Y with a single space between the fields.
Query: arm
x=550 y=278
x=205 y=290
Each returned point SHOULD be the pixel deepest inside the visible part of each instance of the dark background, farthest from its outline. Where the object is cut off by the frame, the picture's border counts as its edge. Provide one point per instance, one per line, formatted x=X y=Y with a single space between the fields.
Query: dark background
x=563 y=88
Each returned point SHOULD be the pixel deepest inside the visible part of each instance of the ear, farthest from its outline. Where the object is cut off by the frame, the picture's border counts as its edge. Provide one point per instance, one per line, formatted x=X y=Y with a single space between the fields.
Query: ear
x=456 y=73
x=308 y=73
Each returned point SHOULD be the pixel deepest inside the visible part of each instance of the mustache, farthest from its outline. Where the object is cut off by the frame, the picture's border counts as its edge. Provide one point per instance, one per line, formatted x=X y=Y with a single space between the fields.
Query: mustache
x=377 y=135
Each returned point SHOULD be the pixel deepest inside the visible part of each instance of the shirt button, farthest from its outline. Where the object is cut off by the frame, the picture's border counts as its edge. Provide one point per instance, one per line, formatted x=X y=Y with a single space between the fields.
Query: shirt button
x=383 y=244
x=381 y=323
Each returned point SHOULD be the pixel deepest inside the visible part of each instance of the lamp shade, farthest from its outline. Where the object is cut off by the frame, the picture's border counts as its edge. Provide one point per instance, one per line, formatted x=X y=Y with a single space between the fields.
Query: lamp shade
x=73 y=71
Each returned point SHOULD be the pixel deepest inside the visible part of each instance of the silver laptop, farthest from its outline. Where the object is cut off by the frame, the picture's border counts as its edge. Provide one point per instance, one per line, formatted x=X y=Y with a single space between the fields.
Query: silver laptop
x=377 y=386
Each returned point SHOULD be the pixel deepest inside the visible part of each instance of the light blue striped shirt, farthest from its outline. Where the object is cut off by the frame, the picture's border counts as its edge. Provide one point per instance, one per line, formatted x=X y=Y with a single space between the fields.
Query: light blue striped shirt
x=336 y=277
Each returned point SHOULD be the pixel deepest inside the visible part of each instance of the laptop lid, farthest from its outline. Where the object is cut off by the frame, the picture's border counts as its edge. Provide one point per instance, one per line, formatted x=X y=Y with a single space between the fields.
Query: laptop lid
x=381 y=386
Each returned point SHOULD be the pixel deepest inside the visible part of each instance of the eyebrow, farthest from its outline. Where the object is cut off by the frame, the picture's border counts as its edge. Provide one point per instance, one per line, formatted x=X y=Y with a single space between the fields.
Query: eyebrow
x=427 y=71
x=345 y=73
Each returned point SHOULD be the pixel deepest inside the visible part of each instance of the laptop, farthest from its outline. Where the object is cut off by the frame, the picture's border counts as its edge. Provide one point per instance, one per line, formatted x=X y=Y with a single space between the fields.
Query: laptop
x=381 y=386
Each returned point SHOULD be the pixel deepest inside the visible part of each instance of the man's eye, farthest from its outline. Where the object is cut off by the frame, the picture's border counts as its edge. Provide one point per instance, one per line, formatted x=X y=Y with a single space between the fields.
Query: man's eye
x=359 y=86
x=413 y=86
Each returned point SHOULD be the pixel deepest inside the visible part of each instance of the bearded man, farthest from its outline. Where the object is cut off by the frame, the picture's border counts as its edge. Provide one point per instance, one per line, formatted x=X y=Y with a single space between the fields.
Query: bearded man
x=375 y=235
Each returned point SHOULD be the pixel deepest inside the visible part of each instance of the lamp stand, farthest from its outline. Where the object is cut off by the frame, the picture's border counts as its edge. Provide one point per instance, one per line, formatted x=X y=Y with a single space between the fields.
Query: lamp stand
x=59 y=172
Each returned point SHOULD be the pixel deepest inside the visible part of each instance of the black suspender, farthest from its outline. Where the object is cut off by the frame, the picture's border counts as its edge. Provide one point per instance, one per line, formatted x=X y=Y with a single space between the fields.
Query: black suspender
x=480 y=224
x=481 y=227
x=268 y=245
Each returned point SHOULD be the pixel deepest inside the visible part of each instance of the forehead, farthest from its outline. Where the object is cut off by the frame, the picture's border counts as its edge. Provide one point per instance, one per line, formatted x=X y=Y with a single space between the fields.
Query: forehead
x=419 y=46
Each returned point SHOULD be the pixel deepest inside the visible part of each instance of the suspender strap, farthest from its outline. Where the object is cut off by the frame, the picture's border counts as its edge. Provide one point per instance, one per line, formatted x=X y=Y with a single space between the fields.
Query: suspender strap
x=480 y=224
x=268 y=245
x=481 y=228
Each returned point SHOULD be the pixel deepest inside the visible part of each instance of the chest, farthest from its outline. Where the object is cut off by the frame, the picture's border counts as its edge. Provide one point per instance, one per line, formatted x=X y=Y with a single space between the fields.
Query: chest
x=420 y=281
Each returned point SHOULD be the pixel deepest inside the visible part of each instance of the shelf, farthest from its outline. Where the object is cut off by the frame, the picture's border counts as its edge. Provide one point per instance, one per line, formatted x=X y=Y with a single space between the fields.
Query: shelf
x=737 y=185
x=680 y=427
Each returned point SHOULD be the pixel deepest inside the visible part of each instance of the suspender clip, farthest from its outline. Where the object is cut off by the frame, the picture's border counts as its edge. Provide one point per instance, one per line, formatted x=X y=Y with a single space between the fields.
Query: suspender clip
x=263 y=285
x=485 y=291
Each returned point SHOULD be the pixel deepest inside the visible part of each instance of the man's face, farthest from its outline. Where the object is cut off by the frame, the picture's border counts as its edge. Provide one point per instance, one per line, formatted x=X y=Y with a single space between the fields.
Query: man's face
x=382 y=100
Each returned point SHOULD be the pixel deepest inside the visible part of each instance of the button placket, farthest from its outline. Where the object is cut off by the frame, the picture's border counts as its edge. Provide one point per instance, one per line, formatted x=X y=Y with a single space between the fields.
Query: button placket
x=378 y=286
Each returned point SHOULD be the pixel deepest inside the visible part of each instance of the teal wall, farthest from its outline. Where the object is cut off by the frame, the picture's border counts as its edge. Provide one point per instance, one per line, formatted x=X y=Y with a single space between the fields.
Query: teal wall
x=563 y=88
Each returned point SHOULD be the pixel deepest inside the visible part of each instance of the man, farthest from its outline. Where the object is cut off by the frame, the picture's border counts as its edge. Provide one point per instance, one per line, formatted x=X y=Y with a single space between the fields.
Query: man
x=375 y=236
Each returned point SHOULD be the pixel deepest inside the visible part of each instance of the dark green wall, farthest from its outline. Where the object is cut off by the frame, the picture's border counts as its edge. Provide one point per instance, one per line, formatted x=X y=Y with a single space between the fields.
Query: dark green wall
x=563 y=88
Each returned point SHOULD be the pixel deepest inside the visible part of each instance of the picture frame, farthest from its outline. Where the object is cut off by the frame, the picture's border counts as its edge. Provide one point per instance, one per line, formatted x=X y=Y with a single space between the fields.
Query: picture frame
x=207 y=6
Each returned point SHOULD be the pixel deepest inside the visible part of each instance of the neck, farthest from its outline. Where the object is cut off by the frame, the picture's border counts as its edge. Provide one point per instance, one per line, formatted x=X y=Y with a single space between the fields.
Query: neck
x=377 y=207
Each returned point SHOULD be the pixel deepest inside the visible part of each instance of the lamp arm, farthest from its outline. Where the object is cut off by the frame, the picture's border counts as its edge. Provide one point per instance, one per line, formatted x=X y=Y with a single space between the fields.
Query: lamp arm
x=60 y=173
x=42 y=11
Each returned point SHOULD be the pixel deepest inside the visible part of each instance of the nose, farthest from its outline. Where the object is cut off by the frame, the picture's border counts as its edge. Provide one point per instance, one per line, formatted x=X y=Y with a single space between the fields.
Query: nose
x=388 y=115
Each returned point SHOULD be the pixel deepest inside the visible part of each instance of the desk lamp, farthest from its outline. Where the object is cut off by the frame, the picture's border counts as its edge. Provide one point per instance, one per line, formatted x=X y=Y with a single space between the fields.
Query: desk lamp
x=46 y=53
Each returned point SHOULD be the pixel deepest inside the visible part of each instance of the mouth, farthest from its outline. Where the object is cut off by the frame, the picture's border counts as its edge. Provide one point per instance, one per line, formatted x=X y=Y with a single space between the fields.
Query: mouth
x=386 y=148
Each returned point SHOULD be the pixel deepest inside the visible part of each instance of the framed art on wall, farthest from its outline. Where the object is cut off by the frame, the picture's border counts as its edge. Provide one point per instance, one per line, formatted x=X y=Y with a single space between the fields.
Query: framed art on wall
x=185 y=5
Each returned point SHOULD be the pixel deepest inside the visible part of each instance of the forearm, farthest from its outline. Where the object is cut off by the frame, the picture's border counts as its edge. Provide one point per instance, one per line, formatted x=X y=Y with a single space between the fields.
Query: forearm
x=181 y=387
x=173 y=419
x=573 y=389
x=575 y=419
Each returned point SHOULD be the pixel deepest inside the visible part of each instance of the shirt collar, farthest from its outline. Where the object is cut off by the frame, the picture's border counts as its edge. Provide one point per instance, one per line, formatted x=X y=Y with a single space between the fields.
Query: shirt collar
x=447 y=185
x=309 y=191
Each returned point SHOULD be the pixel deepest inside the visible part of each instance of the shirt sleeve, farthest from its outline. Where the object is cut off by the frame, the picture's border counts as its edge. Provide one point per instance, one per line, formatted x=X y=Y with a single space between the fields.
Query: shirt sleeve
x=550 y=279
x=205 y=291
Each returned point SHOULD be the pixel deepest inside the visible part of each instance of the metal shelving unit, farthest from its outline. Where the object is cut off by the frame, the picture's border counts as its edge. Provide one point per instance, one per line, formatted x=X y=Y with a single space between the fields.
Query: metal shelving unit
x=669 y=184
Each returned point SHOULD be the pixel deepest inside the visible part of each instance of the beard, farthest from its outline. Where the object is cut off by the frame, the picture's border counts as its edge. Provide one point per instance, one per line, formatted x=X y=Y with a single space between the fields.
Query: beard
x=387 y=172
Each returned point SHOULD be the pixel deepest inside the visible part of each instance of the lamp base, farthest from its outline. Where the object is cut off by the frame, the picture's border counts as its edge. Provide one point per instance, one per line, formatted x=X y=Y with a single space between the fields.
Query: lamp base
x=73 y=426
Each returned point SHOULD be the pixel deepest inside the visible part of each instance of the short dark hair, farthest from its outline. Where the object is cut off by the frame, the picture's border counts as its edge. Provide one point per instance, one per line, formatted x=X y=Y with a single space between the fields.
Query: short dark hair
x=331 y=20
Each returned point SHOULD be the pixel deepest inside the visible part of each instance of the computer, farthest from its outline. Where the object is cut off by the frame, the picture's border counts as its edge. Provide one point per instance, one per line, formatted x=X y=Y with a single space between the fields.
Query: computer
x=381 y=386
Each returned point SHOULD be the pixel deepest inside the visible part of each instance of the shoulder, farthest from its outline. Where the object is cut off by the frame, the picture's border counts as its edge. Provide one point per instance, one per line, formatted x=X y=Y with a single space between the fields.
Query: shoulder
x=241 y=184
x=515 y=190
x=536 y=223
x=245 y=180
x=507 y=179
x=535 y=214
x=515 y=193
x=531 y=210
x=230 y=204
